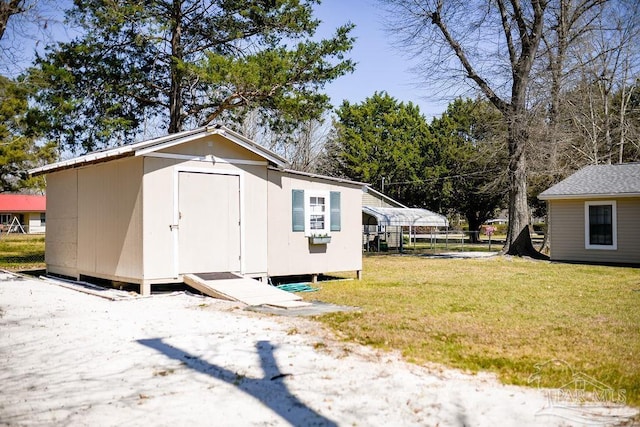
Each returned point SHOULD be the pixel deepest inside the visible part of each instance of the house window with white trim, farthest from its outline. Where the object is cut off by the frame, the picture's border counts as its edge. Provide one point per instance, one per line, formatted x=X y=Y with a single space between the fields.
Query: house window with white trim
x=600 y=220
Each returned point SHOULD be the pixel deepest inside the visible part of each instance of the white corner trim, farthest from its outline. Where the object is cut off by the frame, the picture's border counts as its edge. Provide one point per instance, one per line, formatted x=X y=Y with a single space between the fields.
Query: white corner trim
x=614 y=225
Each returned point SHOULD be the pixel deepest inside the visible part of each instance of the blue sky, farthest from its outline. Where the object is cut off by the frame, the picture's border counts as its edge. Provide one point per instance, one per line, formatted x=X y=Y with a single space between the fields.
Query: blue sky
x=379 y=67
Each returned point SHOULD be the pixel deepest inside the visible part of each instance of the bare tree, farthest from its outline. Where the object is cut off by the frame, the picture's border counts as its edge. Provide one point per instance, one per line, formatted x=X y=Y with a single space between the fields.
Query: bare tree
x=25 y=23
x=301 y=146
x=7 y=10
x=569 y=23
x=251 y=128
x=608 y=66
x=310 y=139
x=549 y=154
x=532 y=59
x=626 y=93
x=493 y=45
x=624 y=73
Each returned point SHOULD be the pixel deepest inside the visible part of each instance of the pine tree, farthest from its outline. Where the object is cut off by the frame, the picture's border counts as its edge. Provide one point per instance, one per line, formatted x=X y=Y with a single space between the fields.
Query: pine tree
x=176 y=64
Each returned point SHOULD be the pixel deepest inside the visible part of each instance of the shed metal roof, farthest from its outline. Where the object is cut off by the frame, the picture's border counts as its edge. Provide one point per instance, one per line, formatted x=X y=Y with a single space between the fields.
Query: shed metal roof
x=406 y=217
x=152 y=145
x=598 y=181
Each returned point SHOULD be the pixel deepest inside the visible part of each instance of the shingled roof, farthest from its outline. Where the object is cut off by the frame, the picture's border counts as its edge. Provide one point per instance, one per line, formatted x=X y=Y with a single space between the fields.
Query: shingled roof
x=598 y=181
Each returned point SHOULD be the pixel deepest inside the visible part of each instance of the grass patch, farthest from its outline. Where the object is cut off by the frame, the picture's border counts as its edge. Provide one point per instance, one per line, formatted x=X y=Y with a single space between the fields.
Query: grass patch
x=500 y=314
x=21 y=251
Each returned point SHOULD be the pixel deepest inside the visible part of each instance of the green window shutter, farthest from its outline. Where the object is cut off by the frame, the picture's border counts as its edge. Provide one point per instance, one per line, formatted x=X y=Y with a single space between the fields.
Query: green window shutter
x=297 y=210
x=335 y=210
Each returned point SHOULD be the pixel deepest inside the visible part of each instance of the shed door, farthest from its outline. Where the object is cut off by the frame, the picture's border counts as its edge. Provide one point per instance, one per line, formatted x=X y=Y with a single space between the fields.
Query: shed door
x=209 y=222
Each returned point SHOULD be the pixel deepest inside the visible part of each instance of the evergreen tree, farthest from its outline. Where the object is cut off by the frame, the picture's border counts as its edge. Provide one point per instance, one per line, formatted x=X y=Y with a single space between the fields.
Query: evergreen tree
x=380 y=138
x=184 y=63
x=19 y=147
x=471 y=173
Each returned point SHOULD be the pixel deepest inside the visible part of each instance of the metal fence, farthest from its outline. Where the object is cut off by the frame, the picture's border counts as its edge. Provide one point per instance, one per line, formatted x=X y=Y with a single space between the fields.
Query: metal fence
x=400 y=239
x=21 y=251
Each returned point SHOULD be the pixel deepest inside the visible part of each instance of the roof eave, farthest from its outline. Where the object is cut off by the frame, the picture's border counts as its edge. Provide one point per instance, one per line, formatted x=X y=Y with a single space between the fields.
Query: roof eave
x=109 y=154
x=70 y=164
x=318 y=176
x=225 y=132
x=587 y=196
x=22 y=210
x=160 y=143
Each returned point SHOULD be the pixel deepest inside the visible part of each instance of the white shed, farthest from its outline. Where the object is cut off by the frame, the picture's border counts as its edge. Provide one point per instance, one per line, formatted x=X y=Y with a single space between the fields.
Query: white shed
x=201 y=201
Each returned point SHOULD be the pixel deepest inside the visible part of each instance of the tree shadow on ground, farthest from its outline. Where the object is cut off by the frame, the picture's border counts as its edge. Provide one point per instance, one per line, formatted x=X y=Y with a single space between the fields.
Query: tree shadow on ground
x=270 y=389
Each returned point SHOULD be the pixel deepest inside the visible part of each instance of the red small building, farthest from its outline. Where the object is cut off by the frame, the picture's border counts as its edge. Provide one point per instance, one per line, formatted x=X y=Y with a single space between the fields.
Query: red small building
x=22 y=212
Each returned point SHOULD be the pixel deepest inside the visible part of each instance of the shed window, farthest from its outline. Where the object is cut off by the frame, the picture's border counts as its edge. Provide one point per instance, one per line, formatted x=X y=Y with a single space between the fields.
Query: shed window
x=315 y=212
x=43 y=218
x=600 y=225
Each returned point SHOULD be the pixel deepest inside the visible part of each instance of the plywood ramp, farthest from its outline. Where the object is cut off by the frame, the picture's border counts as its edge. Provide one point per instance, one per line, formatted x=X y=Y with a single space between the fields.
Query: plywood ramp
x=232 y=287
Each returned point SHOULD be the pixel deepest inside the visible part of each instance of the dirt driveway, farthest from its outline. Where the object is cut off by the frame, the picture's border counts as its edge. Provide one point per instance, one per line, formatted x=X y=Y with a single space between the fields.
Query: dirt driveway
x=68 y=358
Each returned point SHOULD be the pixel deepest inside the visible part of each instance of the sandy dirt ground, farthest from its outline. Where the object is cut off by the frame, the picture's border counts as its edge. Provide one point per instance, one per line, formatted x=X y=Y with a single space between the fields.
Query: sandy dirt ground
x=69 y=358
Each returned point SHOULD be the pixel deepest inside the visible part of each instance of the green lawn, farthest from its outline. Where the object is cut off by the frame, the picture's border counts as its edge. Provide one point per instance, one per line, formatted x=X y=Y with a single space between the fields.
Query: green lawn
x=21 y=251
x=500 y=314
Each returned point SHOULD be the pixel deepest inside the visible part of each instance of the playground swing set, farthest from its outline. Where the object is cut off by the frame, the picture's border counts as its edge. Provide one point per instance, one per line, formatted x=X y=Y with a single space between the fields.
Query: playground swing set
x=13 y=227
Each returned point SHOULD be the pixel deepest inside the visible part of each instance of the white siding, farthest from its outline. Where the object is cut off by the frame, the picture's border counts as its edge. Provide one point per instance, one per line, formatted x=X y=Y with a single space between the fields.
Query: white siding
x=34 y=224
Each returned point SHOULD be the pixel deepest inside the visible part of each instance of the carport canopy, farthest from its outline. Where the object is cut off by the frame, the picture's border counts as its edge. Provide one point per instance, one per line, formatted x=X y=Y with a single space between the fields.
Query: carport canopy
x=406 y=217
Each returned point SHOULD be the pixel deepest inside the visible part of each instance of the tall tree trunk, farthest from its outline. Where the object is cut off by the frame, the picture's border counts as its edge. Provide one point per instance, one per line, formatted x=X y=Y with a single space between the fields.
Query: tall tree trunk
x=518 y=206
x=175 y=94
x=475 y=224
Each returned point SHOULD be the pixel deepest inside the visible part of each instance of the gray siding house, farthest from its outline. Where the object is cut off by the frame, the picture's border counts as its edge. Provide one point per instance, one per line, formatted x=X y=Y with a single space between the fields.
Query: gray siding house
x=594 y=215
